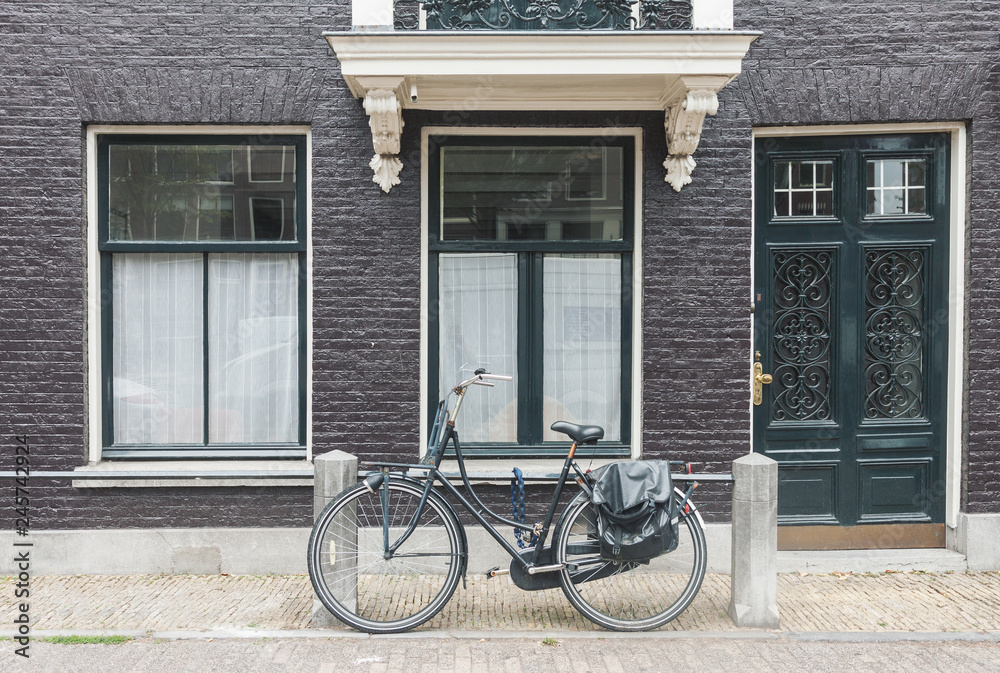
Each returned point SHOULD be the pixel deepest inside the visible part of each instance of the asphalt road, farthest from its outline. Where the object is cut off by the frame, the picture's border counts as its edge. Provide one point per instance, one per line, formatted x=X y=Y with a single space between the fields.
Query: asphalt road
x=447 y=653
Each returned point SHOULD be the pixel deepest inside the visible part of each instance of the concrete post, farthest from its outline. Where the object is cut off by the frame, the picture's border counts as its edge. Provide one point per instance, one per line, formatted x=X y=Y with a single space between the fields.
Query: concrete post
x=333 y=472
x=755 y=542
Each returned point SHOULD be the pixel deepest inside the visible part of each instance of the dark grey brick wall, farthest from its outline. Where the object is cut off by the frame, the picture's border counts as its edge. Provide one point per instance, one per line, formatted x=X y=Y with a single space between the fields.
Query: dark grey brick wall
x=64 y=65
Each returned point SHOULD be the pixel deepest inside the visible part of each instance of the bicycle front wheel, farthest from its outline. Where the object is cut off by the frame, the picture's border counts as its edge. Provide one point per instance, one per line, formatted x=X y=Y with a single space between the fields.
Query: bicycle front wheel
x=635 y=596
x=370 y=589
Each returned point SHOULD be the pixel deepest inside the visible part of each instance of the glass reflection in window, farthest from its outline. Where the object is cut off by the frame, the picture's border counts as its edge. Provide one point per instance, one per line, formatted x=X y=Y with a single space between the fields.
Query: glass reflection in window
x=803 y=189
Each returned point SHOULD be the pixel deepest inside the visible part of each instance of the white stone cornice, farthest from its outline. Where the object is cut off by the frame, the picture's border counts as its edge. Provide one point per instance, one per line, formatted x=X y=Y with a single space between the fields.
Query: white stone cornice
x=678 y=72
x=684 y=119
x=385 y=117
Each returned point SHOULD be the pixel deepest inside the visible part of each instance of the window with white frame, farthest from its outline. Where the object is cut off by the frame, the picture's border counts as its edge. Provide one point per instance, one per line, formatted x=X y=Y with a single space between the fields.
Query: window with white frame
x=202 y=247
x=530 y=273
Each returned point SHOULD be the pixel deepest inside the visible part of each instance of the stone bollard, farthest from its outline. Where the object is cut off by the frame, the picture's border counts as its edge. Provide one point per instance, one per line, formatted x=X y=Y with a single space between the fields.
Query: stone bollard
x=333 y=472
x=755 y=542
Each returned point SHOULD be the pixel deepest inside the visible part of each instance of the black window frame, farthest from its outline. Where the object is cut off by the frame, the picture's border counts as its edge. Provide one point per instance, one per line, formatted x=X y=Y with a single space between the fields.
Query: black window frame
x=106 y=250
x=530 y=254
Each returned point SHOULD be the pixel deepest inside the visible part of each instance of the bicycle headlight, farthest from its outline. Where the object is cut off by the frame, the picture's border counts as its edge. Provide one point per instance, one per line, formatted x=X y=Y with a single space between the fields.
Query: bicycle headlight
x=373 y=482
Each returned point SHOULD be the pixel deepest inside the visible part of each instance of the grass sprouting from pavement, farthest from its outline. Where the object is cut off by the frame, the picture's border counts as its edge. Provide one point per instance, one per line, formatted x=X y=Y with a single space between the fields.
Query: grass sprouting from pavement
x=86 y=640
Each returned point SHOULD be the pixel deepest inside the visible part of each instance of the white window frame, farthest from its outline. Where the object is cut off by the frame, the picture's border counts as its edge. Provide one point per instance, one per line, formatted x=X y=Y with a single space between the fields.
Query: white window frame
x=637 y=275
x=93 y=399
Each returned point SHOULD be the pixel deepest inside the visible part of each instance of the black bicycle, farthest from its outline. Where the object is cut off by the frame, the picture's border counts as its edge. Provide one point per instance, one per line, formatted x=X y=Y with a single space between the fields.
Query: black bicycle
x=387 y=554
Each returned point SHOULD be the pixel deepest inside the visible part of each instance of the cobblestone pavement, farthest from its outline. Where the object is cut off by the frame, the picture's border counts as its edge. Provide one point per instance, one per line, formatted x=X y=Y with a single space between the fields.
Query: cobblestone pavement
x=513 y=655
x=878 y=602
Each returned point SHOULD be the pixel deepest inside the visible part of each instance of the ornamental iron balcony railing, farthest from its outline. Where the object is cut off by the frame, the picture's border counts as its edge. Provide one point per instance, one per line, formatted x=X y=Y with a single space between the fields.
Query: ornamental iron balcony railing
x=545 y=14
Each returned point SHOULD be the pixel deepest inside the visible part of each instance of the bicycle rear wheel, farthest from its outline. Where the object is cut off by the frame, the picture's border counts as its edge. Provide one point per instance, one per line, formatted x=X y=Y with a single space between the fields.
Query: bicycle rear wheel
x=348 y=565
x=628 y=596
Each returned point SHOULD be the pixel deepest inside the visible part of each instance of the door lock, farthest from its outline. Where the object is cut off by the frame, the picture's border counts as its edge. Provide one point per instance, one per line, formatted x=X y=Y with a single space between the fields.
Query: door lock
x=759 y=380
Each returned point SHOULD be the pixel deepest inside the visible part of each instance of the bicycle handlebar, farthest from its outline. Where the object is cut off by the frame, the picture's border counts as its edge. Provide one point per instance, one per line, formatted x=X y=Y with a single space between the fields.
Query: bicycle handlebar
x=497 y=377
x=483 y=380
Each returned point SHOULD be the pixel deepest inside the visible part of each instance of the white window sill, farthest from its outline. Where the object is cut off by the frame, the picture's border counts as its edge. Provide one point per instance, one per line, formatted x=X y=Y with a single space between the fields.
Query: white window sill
x=257 y=473
x=147 y=474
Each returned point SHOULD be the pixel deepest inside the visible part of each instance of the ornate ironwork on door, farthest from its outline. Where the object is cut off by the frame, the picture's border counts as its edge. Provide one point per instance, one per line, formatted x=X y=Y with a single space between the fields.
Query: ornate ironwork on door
x=559 y=14
x=894 y=322
x=802 y=296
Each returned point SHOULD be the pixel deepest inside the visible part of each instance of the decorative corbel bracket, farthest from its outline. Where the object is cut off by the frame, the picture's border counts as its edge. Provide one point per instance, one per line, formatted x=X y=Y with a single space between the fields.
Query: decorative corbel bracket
x=385 y=117
x=684 y=119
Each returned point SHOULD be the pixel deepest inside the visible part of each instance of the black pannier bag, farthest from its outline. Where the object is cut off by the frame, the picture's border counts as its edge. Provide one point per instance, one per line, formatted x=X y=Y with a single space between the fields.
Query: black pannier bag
x=635 y=510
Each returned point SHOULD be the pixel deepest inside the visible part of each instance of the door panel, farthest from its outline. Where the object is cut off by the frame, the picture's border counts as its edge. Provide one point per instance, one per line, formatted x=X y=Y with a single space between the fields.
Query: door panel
x=893 y=489
x=804 y=280
x=850 y=319
x=894 y=340
x=808 y=491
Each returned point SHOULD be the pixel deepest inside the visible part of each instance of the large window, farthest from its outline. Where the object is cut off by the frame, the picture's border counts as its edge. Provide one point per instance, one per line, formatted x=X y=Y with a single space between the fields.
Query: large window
x=202 y=245
x=531 y=245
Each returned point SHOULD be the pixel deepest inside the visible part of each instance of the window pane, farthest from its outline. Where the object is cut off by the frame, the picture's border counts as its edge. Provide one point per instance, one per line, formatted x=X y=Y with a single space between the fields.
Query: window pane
x=892 y=173
x=157 y=349
x=478 y=328
x=531 y=193
x=824 y=202
x=582 y=336
x=268 y=217
x=267 y=164
x=200 y=192
x=824 y=174
x=892 y=202
x=802 y=174
x=781 y=204
x=897 y=186
x=781 y=175
x=253 y=345
x=802 y=204
x=803 y=189
x=215 y=217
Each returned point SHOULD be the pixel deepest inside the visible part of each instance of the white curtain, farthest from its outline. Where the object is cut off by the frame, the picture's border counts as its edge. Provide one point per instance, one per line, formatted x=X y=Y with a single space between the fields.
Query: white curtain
x=253 y=350
x=478 y=328
x=157 y=348
x=582 y=335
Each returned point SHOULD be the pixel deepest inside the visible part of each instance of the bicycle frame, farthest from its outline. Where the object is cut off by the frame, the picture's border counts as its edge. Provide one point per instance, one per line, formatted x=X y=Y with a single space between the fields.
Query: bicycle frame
x=531 y=566
x=450 y=435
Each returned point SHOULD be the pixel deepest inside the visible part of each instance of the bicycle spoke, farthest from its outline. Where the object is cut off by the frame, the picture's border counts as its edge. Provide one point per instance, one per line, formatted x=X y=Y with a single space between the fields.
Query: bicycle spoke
x=628 y=596
x=373 y=593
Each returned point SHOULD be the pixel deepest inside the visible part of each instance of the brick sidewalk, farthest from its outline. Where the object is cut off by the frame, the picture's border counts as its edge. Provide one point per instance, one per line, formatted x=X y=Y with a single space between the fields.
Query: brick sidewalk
x=912 y=601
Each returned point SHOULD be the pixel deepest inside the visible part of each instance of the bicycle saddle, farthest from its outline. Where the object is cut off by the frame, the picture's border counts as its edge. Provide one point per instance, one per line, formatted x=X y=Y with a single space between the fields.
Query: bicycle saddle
x=581 y=434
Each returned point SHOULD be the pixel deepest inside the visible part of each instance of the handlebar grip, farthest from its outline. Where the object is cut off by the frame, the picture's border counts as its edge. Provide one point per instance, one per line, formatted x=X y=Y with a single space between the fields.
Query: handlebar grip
x=496 y=377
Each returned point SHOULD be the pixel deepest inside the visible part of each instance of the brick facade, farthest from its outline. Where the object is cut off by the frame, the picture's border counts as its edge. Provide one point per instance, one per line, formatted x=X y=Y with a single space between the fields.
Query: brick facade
x=67 y=65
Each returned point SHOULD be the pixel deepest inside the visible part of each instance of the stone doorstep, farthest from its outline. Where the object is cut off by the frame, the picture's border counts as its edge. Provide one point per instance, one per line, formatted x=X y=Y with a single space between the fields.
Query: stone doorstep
x=871 y=560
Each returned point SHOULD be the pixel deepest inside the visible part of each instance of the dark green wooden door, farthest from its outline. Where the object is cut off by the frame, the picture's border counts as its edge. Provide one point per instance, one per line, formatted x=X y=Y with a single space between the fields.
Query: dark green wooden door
x=851 y=269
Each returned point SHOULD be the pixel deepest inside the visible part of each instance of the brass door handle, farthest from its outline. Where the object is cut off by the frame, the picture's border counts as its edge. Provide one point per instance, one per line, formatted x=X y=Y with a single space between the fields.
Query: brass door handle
x=759 y=379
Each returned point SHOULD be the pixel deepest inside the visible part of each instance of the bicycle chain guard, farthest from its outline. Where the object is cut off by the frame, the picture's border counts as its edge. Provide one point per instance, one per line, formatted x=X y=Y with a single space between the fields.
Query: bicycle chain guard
x=537 y=582
x=543 y=581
